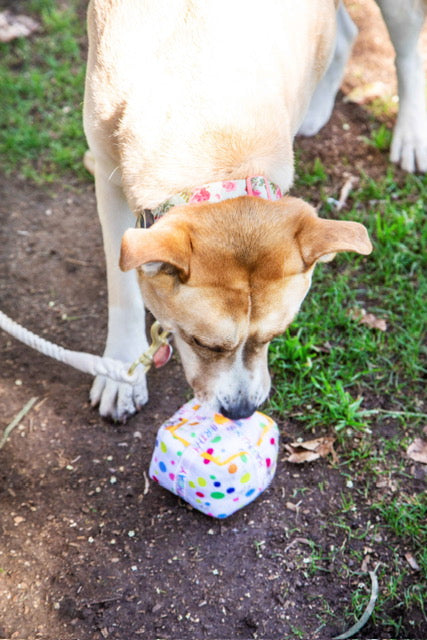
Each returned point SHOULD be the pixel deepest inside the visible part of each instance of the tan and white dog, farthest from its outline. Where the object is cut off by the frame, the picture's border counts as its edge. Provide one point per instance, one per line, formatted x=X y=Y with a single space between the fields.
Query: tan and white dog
x=181 y=94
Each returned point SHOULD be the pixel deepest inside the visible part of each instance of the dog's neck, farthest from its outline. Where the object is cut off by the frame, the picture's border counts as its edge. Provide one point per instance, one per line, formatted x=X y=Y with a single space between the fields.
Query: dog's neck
x=255 y=186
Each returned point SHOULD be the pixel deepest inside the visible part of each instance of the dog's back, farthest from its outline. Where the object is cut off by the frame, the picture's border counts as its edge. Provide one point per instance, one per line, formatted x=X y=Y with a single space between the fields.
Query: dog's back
x=197 y=89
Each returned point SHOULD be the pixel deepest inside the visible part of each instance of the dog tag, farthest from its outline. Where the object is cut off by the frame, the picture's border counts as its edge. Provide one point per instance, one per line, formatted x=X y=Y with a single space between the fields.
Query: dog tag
x=162 y=355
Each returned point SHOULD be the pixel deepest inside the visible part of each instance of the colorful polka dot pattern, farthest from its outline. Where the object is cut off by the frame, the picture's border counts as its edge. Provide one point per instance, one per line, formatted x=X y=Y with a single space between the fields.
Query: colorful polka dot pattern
x=217 y=465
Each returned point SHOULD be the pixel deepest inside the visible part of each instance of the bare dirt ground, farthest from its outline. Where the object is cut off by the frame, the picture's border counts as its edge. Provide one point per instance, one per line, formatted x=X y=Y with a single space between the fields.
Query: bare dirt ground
x=89 y=550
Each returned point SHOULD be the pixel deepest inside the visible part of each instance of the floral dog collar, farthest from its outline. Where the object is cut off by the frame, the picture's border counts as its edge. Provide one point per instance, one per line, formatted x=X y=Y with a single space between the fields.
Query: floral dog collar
x=256 y=186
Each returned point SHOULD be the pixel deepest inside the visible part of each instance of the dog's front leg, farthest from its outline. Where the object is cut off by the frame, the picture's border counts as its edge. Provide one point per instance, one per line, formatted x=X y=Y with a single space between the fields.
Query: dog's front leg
x=404 y=20
x=126 y=338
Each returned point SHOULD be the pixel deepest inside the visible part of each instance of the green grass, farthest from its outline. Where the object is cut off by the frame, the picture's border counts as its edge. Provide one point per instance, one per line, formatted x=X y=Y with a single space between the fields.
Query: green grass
x=407 y=517
x=380 y=138
x=333 y=375
x=41 y=93
x=327 y=361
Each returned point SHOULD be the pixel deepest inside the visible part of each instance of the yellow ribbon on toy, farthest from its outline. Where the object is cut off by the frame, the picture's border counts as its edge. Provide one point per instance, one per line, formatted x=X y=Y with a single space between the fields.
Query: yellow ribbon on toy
x=159 y=338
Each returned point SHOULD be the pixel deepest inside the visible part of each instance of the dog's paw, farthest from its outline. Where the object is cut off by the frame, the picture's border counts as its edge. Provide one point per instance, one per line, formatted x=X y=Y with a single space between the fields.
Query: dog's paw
x=118 y=400
x=409 y=146
x=318 y=115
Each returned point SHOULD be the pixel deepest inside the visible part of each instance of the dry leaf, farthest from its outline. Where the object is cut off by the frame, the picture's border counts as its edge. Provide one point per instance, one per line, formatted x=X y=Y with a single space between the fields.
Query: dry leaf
x=365 y=563
x=371 y=321
x=291 y=506
x=15 y=26
x=386 y=483
x=310 y=450
x=412 y=562
x=418 y=451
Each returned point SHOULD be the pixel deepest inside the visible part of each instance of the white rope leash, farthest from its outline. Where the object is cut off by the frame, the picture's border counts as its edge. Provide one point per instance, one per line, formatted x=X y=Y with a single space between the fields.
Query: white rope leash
x=86 y=362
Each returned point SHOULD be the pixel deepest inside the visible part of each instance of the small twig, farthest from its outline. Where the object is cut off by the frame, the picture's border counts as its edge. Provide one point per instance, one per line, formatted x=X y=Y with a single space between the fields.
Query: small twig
x=146 y=483
x=80 y=263
x=297 y=541
x=345 y=191
x=41 y=403
x=409 y=414
x=17 y=419
x=91 y=603
x=368 y=611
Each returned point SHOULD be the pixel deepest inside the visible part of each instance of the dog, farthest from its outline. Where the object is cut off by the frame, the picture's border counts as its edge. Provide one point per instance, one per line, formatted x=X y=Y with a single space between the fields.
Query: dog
x=191 y=108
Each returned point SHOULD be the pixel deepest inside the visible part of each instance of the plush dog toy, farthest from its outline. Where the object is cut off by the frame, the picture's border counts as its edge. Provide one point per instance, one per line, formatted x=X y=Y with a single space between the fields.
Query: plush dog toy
x=216 y=464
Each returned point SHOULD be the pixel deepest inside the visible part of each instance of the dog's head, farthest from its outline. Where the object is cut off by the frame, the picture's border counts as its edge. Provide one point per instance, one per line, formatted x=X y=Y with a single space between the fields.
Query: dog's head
x=226 y=279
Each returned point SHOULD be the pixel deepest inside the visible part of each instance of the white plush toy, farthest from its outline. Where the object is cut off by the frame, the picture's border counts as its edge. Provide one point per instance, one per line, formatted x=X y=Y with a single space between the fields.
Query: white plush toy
x=217 y=465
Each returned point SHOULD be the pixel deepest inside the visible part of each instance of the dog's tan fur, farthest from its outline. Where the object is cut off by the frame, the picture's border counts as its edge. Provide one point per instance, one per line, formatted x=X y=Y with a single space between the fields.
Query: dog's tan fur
x=187 y=92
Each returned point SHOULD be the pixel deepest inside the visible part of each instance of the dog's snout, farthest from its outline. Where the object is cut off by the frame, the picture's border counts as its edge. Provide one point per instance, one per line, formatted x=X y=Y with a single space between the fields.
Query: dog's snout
x=239 y=410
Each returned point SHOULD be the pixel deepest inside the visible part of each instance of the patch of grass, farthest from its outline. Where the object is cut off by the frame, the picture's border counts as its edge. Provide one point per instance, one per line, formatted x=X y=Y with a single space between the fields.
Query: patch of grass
x=297 y=632
x=327 y=361
x=315 y=174
x=41 y=93
x=380 y=138
x=332 y=374
x=407 y=517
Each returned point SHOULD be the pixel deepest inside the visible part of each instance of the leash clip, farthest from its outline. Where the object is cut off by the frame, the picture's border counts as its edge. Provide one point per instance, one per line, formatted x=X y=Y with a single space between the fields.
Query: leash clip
x=158 y=353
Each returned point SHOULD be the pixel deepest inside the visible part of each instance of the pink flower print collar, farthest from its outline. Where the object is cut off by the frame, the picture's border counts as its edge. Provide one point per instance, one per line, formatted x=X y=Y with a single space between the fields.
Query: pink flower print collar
x=256 y=186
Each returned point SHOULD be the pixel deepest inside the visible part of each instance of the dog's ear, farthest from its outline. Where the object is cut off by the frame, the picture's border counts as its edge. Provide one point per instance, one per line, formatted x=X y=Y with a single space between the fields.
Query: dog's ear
x=321 y=239
x=155 y=247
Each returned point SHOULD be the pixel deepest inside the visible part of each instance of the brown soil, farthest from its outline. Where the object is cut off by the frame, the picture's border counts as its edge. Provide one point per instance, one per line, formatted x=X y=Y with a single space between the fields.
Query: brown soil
x=89 y=550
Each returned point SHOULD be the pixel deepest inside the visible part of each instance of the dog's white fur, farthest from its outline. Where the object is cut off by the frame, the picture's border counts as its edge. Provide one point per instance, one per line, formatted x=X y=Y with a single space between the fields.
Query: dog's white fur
x=184 y=92
x=186 y=74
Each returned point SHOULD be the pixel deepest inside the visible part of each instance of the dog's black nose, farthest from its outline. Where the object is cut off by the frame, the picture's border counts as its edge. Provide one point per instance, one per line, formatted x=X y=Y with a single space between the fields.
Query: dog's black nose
x=239 y=410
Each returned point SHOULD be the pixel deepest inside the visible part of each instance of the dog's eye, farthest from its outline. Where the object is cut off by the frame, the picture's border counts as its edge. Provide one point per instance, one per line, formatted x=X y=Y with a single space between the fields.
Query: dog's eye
x=215 y=349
